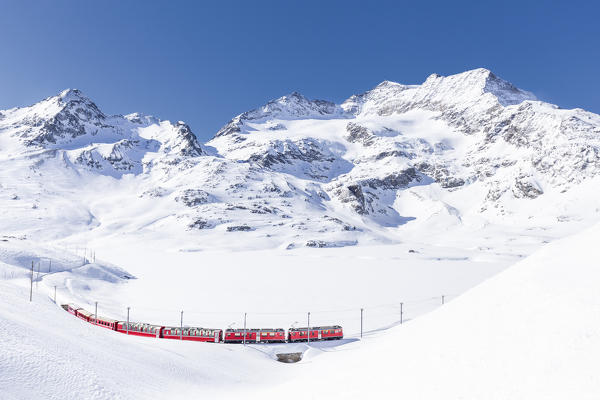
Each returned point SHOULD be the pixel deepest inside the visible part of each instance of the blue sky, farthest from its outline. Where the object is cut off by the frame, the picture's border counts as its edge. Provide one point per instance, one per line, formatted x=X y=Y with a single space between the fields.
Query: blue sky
x=205 y=62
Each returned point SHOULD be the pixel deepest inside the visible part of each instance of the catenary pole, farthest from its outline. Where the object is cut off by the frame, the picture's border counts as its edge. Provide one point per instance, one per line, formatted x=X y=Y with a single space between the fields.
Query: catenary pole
x=361 y=322
x=54 y=294
x=401 y=312
x=31 y=284
x=244 y=339
x=37 y=277
x=128 y=320
x=443 y=299
x=181 y=323
x=308 y=328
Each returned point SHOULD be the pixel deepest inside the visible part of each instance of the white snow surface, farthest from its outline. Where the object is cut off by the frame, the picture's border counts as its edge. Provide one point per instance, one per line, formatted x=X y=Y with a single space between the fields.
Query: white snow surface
x=533 y=331
x=402 y=194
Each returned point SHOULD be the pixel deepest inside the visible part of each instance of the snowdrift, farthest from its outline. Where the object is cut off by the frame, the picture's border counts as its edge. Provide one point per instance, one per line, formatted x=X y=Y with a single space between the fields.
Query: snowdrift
x=532 y=332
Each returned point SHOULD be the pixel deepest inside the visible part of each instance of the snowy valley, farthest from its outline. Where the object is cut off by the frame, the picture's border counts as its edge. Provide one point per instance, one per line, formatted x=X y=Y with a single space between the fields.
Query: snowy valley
x=404 y=193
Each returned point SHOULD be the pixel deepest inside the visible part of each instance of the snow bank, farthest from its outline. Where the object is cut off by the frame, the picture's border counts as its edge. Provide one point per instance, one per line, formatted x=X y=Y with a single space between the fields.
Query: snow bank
x=532 y=332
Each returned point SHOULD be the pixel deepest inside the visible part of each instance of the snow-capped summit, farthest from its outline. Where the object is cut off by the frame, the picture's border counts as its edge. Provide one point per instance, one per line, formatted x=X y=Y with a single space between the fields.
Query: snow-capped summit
x=68 y=95
x=465 y=150
x=478 y=87
x=72 y=124
x=288 y=107
x=473 y=84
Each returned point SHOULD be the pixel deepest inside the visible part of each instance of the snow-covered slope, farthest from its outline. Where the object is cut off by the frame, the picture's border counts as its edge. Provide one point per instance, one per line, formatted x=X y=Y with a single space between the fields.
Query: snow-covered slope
x=461 y=153
x=532 y=332
x=441 y=185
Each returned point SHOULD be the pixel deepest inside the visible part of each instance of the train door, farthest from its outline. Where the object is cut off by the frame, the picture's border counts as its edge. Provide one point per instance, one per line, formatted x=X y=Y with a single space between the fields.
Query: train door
x=258 y=336
x=216 y=336
x=320 y=331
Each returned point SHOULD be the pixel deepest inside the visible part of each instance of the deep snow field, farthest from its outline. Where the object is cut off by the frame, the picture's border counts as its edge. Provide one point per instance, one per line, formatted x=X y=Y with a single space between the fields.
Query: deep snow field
x=532 y=331
x=464 y=190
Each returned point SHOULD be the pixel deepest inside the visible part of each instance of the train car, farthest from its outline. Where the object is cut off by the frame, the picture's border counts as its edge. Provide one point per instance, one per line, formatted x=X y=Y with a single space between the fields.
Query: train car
x=271 y=335
x=316 y=333
x=105 y=323
x=193 y=333
x=71 y=308
x=334 y=332
x=235 y=335
x=268 y=335
x=84 y=315
x=140 y=329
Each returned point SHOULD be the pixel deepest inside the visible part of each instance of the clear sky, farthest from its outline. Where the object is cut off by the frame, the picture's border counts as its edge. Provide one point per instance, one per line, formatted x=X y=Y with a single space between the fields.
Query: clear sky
x=205 y=62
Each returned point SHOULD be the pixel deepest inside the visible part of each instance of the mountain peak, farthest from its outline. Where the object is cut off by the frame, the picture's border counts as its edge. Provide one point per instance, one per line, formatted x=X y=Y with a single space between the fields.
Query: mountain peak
x=477 y=82
x=386 y=84
x=71 y=94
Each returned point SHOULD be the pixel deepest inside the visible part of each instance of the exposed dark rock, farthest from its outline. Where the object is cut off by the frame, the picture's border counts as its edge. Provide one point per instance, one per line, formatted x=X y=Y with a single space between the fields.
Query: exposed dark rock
x=357 y=133
x=239 y=228
x=525 y=187
x=200 y=224
x=194 y=197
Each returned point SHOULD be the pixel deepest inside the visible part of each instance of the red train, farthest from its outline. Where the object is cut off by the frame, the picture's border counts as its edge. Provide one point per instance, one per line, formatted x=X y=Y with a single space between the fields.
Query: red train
x=254 y=335
x=333 y=332
x=209 y=335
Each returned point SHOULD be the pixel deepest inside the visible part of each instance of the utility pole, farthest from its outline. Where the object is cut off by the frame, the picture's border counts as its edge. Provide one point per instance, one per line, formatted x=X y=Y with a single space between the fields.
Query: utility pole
x=361 y=322
x=244 y=339
x=308 y=329
x=181 y=323
x=128 y=320
x=37 y=277
x=96 y=314
x=401 y=312
x=31 y=284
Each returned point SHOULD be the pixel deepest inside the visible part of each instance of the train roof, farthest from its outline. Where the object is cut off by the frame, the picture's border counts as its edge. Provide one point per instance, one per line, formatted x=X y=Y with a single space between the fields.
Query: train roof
x=141 y=324
x=256 y=330
x=316 y=328
x=84 y=312
x=105 y=319
x=193 y=327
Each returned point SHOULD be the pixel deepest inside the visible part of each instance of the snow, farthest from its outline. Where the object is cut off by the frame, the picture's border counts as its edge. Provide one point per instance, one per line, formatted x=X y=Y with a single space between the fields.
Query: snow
x=402 y=194
x=531 y=332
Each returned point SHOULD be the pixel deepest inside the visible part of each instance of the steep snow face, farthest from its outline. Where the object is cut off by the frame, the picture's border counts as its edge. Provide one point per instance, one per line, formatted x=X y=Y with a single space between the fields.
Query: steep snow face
x=467 y=152
x=463 y=90
x=499 y=340
x=292 y=106
x=72 y=126
x=470 y=143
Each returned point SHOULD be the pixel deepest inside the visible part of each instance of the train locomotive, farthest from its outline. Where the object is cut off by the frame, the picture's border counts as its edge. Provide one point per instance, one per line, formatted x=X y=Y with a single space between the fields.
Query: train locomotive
x=251 y=335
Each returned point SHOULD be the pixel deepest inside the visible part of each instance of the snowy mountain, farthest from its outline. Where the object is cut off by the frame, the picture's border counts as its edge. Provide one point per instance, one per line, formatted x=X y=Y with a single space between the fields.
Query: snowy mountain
x=464 y=152
x=430 y=189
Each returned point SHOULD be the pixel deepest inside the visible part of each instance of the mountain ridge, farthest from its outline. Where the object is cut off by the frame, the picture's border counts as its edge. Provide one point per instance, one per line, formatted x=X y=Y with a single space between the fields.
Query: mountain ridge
x=465 y=150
